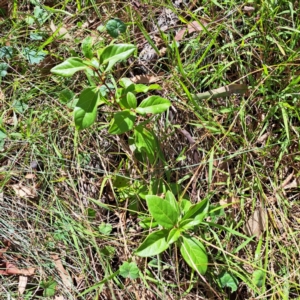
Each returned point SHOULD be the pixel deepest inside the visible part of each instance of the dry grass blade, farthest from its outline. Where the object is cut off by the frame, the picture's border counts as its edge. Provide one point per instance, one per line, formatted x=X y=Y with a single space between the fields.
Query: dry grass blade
x=221 y=92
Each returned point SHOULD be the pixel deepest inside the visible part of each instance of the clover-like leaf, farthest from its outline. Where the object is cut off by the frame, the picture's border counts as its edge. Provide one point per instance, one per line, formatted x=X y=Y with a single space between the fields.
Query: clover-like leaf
x=228 y=280
x=114 y=27
x=6 y=52
x=129 y=270
x=3 y=69
x=34 y=56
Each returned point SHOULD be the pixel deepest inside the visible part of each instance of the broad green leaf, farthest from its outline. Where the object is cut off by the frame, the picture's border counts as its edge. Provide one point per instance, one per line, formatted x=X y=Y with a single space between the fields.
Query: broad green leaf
x=198 y=211
x=188 y=224
x=185 y=205
x=95 y=63
x=258 y=277
x=115 y=53
x=148 y=223
x=122 y=121
x=228 y=280
x=162 y=211
x=86 y=47
x=145 y=141
x=85 y=111
x=174 y=235
x=154 y=244
x=69 y=67
x=153 y=105
x=122 y=97
x=131 y=100
x=114 y=27
x=142 y=88
x=172 y=200
x=125 y=82
x=194 y=254
x=66 y=96
x=129 y=270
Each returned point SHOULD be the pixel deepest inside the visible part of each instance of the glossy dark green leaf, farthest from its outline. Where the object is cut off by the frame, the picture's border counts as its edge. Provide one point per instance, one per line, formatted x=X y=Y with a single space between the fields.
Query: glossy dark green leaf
x=69 y=67
x=86 y=47
x=85 y=111
x=194 y=254
x=198 y=211
x=122 y=121
x=154 y=244
x=162 y=211
x=145 y=141
x=174 y=235
x=153 y=105
x=115 y=53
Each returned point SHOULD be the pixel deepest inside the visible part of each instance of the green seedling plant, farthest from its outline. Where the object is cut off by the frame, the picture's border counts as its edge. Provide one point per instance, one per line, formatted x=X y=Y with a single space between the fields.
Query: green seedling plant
x=177 y=221
x=102 y=89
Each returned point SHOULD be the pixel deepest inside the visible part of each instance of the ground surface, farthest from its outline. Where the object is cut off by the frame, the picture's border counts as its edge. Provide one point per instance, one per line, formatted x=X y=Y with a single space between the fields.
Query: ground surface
x=72 y=202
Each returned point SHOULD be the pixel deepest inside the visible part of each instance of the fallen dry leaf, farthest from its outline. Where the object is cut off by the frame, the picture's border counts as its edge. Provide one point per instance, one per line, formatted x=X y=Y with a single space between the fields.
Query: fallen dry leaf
x=192 y=27
x=30 y=176
x=24 y=191
x=294 y=184
x=22 y=284
x=146 y=79
x=59 y=298
x=248 y=8
x=10 y=269
x=256 y=223
x=62 y=32
x=287 y=180
x=65 y=277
